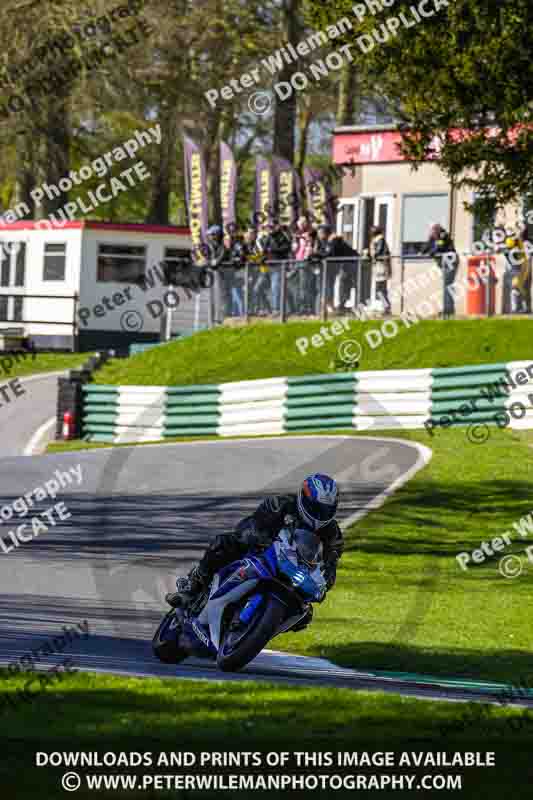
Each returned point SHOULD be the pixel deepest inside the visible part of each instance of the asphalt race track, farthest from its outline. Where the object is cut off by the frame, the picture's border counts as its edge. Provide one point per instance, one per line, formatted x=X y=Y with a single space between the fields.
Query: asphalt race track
x=23 y=414
x=143 y=514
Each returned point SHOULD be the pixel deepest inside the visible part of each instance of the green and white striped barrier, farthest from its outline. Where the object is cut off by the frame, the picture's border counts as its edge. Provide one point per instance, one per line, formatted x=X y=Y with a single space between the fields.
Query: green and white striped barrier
x=363 y=400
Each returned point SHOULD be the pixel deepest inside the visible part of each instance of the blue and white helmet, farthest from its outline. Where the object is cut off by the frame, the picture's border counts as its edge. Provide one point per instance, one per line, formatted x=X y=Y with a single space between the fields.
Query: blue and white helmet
x=317 y=501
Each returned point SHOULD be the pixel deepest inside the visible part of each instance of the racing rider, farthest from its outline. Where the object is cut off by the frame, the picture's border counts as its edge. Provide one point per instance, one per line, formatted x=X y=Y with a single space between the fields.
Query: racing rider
x=314 y=508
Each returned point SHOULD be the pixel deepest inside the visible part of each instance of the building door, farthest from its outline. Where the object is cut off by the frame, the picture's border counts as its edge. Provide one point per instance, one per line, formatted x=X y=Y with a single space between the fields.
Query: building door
x=347 y=221
x=375 y=210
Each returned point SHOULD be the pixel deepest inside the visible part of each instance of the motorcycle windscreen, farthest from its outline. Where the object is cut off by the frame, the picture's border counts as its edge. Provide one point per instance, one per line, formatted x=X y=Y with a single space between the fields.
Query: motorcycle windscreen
x=308 y=547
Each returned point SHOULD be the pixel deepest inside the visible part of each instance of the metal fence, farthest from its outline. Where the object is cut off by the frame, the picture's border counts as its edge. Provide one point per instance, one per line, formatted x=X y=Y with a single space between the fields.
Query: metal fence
x=285 y=289
x=14 y=307
x=321 y=289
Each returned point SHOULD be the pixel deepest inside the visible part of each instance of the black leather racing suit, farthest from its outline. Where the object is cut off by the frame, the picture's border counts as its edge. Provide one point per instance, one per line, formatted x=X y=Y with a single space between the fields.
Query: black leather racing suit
x=260 y=529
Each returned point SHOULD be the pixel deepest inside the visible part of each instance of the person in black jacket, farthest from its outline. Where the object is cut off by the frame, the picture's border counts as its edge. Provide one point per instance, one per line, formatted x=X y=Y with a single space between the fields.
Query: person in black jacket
x=314 y=508
x=441 y=248
x=341 y=276
x=276 y=246
x=218 y=256
x=234 y=272
x=215 y=249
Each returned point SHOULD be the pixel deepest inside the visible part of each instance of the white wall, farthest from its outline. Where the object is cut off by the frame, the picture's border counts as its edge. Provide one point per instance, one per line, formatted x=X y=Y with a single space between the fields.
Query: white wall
x=41 y=309
x=92 y=292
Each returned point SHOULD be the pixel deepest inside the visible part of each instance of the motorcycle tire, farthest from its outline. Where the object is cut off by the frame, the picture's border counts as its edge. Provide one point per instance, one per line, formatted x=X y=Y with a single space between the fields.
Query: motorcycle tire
x=167 y=650
x=254 y=642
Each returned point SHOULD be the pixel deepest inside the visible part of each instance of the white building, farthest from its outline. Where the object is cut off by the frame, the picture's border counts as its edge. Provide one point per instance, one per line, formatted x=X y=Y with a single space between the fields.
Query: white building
x=380 y=187
x=75 y=286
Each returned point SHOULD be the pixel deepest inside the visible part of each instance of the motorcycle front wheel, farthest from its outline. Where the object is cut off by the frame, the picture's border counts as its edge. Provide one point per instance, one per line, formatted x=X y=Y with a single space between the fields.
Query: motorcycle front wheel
x=165 y=642
x=239 y=647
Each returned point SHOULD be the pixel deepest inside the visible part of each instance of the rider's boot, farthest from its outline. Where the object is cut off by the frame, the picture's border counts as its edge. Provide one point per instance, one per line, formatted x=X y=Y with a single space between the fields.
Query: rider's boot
x=188 y=588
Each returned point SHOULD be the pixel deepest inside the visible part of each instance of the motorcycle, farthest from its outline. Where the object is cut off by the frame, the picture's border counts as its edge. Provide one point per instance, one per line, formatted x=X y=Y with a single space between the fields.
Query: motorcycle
x=247 y=604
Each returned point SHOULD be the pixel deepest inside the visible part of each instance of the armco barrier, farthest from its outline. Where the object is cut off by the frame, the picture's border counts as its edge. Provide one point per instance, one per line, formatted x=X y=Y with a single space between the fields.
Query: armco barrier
x=363 y=400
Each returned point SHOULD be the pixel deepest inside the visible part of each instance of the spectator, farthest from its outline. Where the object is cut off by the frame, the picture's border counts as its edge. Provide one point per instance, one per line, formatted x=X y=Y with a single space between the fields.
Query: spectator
x=261 y=284
x=276 y=246
x=520 y=273
x=253 y=255
x=216 y=251
x=321 y=251
x=217 y=254
x=341 y=276
x=237 y=258
x=527 y=283
x=438 y=246
x=302 y=248
x=381 y=266
x=250 y=245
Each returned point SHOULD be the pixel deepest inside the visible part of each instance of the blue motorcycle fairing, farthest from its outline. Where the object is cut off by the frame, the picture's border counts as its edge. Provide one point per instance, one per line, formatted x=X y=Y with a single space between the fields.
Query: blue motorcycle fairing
x=271 y=558
x=250 y=608
x=198 y=640
x=239 y=581
x=300 y=579
x=236 y=573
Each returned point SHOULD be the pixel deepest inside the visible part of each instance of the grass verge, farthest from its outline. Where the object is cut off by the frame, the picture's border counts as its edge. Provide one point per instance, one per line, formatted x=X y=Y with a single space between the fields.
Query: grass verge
x=14 y=366
x=269 y=350
x=402 y=601
x=95 y=713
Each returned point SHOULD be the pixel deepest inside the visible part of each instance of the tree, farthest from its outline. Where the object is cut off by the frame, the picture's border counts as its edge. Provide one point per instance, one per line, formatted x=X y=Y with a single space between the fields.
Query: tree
x=347 y=102
x=285 y=110
x=460 y=83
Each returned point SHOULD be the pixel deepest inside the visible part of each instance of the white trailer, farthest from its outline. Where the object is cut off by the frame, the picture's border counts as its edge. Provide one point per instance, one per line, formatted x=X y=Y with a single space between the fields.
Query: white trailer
x=89 y=285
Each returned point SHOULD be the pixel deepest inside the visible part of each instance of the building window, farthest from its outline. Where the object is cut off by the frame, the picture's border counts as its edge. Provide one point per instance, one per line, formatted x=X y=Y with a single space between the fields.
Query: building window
x=5 y=270
x=419 y=213
x=120 y=263
x=13 y=263
x=347 y=223
x=17 y=309
x=481 y=231
x=175 y=261
x=55 y=257
x=20 y=264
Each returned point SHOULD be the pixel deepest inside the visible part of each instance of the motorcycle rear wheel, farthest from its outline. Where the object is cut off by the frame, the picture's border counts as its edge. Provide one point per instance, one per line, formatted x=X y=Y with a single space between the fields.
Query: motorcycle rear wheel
x=232 y=660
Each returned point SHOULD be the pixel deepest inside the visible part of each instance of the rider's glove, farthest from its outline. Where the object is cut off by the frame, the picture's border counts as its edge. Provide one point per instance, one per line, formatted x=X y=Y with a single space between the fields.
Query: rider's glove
x=259 y=540
x=330 y=574
x=254 y=539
